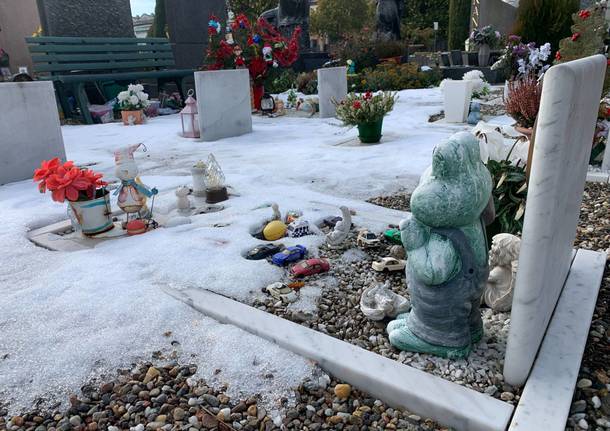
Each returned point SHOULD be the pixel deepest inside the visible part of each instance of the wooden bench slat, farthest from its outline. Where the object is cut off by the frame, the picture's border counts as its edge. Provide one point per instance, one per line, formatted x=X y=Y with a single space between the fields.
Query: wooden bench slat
x=98 y=48
x=102 y=66
x=119 y=76
x=94 y=40
x=54 y=58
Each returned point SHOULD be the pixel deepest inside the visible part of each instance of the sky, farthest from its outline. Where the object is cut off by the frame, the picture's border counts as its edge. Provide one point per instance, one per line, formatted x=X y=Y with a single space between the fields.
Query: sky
x=138 y=7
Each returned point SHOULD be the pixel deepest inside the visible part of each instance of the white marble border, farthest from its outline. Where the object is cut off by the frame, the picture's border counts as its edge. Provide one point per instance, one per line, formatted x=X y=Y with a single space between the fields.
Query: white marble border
x=396 y=384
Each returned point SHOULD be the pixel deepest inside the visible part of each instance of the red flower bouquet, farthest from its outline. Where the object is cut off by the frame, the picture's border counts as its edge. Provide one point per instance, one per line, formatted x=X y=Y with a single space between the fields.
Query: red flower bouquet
x=255 y=46
x=66 y=181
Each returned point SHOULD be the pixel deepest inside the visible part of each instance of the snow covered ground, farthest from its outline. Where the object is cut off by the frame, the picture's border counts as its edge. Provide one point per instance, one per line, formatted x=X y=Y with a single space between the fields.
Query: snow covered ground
x=67 y=317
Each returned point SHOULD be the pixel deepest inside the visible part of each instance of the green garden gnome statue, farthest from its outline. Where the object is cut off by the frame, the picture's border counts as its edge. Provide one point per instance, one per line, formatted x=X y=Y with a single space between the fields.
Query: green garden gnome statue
x=447 y=253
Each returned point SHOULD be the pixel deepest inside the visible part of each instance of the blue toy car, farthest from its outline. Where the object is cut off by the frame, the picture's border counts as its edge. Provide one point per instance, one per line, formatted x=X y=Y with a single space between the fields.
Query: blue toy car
x=290 y=254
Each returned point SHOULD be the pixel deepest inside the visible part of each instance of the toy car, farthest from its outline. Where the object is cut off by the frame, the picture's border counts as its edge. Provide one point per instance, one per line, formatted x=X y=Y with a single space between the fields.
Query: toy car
x=281 y=291
x=393 y=236
x=367 y=239
x=263 y=251
x=290 y=254
x=298 y=228
x=310 y=267
x=389 y=264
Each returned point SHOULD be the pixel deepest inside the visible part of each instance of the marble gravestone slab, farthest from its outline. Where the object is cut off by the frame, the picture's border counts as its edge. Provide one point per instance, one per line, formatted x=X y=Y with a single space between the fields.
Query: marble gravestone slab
x=224 y=104
x=29 y=129
x=187 y=22
x=566 y=123
x=86 y=18
x=456 y=100
x=332 y=85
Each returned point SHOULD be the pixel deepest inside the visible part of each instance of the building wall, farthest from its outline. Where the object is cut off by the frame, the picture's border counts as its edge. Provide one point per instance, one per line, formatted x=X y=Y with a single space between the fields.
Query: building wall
x=18 y=20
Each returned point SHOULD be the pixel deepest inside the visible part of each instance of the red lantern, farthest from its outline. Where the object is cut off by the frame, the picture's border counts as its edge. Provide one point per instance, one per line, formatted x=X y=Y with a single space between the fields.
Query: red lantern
x=190 y=117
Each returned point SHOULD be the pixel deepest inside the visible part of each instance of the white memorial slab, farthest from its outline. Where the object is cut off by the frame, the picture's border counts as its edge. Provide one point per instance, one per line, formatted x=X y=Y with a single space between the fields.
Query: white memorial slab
x=223 y=101
x=456 y=96
x=332 y=85
x=29 y=129
x=566 y=123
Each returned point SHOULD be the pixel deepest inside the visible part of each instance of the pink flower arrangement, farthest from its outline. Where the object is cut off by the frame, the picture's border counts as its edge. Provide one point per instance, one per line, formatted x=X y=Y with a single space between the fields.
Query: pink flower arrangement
x=66 y=181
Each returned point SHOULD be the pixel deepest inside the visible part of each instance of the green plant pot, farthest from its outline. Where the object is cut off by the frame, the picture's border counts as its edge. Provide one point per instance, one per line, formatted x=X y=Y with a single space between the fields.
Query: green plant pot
x=370 y=133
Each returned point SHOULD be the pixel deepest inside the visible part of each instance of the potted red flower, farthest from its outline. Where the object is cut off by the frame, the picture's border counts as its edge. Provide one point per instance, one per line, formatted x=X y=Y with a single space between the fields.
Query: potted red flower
x=366 y=111
x=83 y=189
x=256 y=46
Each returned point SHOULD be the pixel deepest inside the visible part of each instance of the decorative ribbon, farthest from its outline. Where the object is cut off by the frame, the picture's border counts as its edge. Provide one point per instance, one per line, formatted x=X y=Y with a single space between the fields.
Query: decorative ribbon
x=139 y=187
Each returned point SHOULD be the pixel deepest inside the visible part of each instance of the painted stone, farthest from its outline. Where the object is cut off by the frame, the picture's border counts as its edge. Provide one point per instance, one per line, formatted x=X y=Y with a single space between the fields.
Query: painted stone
x=447 y=253
x=274 y=230
x=503 y=260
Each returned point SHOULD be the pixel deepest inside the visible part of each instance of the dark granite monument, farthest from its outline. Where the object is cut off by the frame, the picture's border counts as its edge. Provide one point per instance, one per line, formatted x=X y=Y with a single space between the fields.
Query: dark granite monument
x=187 y=23
x=86 y=18
x=388 y=16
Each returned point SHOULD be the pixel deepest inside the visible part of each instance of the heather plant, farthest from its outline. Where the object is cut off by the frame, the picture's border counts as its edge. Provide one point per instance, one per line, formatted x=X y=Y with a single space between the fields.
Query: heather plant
x=523 y=100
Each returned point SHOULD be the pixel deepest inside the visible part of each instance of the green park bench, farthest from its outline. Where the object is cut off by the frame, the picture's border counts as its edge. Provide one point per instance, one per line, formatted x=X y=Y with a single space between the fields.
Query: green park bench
x=71 y=62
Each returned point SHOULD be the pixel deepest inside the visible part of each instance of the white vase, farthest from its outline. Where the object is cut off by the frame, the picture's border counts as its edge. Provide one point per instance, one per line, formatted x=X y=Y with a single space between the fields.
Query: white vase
x=457 y=95
x=93 y=216
x=199 y=185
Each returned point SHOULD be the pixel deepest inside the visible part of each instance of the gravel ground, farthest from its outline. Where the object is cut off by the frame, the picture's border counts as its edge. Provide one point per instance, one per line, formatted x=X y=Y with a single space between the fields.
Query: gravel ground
x=172 y=400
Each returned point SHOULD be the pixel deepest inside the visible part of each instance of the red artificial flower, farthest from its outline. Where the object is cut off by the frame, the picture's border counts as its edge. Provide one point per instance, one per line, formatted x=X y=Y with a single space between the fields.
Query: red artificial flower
x=47 y=168
x=67 y=183
x=357 y=104
x=584 y=14
x=368 y=95
x=558 y=56
x=250 y=41
x=575 y=37
x=257 y=68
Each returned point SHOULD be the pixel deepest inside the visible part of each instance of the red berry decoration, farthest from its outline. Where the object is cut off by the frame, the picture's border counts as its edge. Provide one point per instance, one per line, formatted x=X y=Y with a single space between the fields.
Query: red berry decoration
x=357 y=105
x=558 y=56
x=584 y=14
x=575 y=37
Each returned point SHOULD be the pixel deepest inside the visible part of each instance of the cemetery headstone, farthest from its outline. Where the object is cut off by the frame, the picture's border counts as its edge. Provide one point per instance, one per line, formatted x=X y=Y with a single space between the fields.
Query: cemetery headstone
x=566 y=123
x=85 y=18
x=456 y=95
x=223 y=102
x=187 y=22
x=332 y=85
x=29 y=129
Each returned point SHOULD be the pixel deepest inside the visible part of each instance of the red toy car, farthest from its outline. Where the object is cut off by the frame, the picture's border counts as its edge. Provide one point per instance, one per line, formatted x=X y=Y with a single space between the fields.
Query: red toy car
x=309 y=267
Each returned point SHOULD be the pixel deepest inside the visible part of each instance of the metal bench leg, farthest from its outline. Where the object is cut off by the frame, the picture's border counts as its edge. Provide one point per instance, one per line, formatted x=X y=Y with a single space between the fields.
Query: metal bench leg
x=83 y=102
x=63 y=99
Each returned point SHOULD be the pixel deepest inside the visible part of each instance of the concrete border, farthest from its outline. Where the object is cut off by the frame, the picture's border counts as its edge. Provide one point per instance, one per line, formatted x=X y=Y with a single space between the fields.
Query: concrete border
x=396 y=384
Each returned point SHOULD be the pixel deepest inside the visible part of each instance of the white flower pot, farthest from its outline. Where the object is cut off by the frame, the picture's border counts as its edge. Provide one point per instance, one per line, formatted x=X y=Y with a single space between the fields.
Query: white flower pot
x=457 y=96
x=93 y=216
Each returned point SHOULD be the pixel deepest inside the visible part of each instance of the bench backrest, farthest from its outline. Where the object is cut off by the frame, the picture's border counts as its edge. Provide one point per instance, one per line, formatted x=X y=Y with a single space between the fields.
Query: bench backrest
x=63 y=55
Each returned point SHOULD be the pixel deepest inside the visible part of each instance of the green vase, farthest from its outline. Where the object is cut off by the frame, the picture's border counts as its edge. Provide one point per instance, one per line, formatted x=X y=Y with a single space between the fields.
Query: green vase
x=370 y=133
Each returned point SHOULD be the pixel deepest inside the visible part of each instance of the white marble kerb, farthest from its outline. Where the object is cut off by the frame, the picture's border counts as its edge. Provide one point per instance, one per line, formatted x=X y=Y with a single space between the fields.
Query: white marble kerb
x=224 y=103
x=399 y=385
x=332 y=85
x=29 y=129
x=566 y=123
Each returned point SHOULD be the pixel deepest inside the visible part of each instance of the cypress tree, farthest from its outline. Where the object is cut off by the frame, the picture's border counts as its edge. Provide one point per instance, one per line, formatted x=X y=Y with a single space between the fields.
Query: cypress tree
x=158 y=27
x=459 y=23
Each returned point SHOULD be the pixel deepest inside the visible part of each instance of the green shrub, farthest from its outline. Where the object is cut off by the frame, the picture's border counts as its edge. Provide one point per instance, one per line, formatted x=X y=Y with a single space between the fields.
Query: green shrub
x=459 y=23
x=358 y=47
x=394 y=77
x=280 y=80
x=544 y=21
x=509 y=194
x=307 y=82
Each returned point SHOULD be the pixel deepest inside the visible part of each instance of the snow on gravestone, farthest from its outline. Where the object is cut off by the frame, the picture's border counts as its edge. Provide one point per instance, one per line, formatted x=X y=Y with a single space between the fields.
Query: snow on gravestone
x=566 y=123
x=29 y=129
x=224 y=104
x=332 y=85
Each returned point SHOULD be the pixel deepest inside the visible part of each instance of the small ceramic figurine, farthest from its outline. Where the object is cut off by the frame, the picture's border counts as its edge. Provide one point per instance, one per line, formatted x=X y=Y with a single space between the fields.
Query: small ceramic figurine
x=446 y=246
x=475 y=113
x=351 y=67
x=131 y=193
x=379 y=302
x=339 y=234
x=183 y=203
x=503 y=259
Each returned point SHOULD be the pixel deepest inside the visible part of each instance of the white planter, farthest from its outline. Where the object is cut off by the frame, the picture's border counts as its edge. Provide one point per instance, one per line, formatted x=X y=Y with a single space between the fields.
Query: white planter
x=199 y=185
x=93 y=216
x=457 y=96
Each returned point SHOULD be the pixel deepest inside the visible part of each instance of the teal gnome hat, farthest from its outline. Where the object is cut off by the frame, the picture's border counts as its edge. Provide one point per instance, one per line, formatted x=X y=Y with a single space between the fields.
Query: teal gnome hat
x=456 y=190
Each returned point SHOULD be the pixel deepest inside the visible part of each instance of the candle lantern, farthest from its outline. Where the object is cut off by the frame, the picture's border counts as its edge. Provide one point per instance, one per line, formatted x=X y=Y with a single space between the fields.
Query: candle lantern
x=190 y=117
x=267 y=104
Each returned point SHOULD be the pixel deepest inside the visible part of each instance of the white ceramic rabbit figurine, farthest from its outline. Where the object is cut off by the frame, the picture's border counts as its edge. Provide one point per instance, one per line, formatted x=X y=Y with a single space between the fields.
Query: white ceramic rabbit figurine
x=132 y=193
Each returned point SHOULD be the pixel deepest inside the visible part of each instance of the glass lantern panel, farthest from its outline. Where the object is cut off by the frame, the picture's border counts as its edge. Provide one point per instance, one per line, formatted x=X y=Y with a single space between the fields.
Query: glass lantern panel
x=187 y=124
x=196 y=123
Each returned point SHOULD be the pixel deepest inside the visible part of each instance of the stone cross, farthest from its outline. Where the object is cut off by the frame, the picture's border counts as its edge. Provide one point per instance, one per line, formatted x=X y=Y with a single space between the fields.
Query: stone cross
x=566 y=124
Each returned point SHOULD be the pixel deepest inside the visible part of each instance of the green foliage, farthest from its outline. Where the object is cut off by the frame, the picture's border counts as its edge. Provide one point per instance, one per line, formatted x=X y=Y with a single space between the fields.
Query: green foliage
x=158 y=28
x=420 y=36
x=544 y=21
x=252 y=8
x=365 y=108
x=280 y=80
x=394 y=77
x=307 y=83
x=420 y=15
x=509 y=195
x=459 y=23
x=587 y=37
x=336 y=18
x=359 y=47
